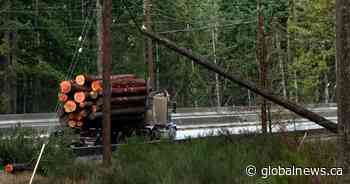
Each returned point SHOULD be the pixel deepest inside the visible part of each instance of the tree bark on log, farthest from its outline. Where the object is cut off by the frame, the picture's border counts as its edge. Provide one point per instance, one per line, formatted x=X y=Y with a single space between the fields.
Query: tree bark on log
x=124 y=111
x=128 y=91
x=266 y=93
x=128 y=100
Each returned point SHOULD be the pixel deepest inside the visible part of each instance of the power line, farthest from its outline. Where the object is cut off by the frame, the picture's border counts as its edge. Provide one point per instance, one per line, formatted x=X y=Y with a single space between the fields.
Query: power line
x=206 y=27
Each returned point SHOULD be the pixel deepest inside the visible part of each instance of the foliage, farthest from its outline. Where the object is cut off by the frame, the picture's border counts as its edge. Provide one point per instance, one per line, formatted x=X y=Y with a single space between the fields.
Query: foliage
x=313 y=29
x=23 y=146
x=47 y=46
x=209 y=160
x=3 y=103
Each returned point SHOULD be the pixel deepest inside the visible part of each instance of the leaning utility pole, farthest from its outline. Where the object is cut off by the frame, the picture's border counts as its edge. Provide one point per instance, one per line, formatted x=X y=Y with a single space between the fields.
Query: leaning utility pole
x=149 y=42
x=343 y=85
x=266 y=93
x=261 y=58
x=107 y=60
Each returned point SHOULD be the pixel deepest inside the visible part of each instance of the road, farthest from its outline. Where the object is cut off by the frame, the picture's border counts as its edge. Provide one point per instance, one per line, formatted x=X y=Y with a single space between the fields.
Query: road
x=195 y=122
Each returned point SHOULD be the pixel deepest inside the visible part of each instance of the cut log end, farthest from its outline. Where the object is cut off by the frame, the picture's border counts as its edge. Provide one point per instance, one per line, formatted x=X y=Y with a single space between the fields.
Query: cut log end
x=70 y=106
x=72 y=123
x=65 y=86
x=8 y=168
x=94 y=108
x=83 y=113
x=86 y=104
x=82 y=105
x=80 y=124
x=80 y=79
x=62 y=97
x=79 y=97
x=94 y=95
x=96 y=86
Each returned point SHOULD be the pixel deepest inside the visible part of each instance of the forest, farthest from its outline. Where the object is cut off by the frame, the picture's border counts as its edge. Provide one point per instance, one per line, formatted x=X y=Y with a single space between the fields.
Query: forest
x=44 y=41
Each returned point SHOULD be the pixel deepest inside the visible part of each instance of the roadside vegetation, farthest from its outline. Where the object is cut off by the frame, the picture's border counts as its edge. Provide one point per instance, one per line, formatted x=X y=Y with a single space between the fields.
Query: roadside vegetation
x=220 y=159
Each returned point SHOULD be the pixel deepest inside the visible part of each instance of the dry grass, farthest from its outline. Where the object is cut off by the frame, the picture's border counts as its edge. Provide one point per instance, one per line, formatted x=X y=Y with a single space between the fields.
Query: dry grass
x=22 y=178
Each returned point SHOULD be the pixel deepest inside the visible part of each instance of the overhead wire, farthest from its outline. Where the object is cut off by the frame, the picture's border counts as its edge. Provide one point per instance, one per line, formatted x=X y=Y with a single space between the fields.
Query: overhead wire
x=76 y=54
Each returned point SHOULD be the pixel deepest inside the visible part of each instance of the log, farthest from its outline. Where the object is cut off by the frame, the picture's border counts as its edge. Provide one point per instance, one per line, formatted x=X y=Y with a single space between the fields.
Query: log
x=116 y=120
x=94 y=108
x=70 y=106
x=68 y=86
x=122 y=76
x=65 y=86
x=266 y=93
x=72 y=123
x=13 y=168
x=8 y=168
x=80 y=96
x=86 y=104
x=83 y=79
x=128 y=91
x=116 y=77
x=94 y=94
x=80 y=124
x=96 y=85
x=128 y=105
x=83 y=113
x=62 y=97
x=128 y=83
x=128 y=99
x=75 y=116
x=125 y=111
x=112 y=77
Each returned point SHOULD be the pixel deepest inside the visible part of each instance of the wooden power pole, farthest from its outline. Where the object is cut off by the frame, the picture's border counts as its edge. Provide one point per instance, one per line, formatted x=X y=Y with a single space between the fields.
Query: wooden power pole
x=149 y=43
x=343 y=85
x=107 y=65
x=261 y=58
x=99 y=36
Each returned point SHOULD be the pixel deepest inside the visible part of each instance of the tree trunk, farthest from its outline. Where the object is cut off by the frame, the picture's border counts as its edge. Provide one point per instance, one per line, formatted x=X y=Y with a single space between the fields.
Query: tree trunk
x=281 y=65
x=290 y=51
x=261 y=58
x=217 y=84
x=149 y=43
x=11 y=72
x=214 y=32
x=326 y=89
x=343 y=85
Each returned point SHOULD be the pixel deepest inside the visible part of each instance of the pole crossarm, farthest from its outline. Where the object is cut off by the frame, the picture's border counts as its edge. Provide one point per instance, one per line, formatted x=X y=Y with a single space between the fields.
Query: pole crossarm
x=266 y=93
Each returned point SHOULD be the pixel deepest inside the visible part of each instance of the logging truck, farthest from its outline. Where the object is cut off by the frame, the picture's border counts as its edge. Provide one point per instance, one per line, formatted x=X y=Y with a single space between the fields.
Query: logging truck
x=136 y=109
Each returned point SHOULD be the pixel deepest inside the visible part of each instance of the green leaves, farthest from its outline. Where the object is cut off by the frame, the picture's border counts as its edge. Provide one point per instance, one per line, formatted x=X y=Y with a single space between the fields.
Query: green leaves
x=313 y=30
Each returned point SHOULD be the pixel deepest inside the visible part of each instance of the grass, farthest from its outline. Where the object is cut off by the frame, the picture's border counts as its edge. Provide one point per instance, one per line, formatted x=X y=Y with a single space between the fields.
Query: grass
x=211 y=160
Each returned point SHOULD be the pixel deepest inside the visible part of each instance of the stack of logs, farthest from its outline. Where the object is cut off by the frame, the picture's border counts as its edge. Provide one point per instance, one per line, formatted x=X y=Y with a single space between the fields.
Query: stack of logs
x=82 y=98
